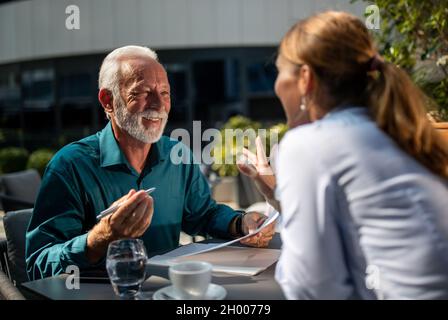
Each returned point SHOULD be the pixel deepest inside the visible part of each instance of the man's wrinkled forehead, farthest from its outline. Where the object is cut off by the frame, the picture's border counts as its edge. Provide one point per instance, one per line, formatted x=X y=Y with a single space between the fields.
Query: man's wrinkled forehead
x=142 y=70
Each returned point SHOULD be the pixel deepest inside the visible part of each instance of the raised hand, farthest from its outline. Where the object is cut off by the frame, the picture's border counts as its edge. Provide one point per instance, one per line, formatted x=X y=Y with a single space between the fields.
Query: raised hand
x=256 y=166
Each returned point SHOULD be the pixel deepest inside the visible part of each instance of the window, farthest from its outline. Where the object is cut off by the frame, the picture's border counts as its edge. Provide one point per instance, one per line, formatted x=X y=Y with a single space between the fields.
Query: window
x=261 y=77
x=74 y=86
x=9 y=88
x=177 y=77
x=10 y=110
x=38 y=89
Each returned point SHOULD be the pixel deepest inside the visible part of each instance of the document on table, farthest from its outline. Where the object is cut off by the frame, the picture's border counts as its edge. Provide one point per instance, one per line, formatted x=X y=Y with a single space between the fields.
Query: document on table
x=237 y=260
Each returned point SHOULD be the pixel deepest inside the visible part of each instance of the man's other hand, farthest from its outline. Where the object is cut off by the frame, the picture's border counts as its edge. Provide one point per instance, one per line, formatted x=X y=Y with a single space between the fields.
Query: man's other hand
x=251 y=222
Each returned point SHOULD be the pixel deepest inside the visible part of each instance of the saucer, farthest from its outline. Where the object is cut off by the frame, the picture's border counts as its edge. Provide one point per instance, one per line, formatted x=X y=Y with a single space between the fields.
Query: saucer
x=214 y=292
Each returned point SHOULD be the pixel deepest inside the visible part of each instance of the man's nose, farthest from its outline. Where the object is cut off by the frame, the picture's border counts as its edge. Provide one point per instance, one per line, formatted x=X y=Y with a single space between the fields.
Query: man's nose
x=155 y=101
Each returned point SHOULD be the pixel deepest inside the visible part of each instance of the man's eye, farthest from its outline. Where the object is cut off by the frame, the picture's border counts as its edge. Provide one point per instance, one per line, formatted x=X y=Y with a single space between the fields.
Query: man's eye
x=139 y=94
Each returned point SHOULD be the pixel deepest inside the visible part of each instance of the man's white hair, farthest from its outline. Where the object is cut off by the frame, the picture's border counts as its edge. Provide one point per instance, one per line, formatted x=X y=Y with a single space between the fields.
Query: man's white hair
x=109 y=77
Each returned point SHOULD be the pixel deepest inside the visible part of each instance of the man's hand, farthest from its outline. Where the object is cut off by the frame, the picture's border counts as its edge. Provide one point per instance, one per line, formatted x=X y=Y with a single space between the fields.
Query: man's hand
x=251 y=222
x=130 y=221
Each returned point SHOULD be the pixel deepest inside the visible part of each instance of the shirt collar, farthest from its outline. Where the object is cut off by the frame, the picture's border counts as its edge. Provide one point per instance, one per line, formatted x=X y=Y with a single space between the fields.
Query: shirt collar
x=345 y=108
x=111 y=154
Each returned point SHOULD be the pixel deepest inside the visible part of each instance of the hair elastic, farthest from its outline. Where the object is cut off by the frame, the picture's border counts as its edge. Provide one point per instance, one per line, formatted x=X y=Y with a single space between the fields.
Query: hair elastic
x=375 y=63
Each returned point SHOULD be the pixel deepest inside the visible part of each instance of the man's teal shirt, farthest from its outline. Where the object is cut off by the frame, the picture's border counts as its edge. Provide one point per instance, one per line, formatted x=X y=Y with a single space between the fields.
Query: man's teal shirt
x=87 y=176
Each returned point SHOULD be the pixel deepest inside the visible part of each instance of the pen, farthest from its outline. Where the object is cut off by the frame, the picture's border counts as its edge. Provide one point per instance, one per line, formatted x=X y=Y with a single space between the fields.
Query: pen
x=114 y=208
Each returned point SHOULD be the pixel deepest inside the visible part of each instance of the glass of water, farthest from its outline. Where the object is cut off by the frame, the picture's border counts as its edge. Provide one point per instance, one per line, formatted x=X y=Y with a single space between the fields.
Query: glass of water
x=125 y=265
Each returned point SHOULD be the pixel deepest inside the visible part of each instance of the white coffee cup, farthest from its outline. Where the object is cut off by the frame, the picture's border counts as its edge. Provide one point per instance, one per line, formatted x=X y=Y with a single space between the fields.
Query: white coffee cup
x=190 y=279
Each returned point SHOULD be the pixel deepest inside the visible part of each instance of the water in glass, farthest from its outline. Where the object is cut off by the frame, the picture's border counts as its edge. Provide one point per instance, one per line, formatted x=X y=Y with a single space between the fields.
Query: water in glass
x=126 y=266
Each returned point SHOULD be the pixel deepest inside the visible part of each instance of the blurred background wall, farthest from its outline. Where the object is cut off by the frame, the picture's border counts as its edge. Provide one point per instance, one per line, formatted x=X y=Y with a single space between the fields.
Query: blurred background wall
x=219 y=56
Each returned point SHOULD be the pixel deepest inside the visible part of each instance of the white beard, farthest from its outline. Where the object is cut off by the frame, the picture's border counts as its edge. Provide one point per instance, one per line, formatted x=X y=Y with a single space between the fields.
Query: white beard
x=133 y=125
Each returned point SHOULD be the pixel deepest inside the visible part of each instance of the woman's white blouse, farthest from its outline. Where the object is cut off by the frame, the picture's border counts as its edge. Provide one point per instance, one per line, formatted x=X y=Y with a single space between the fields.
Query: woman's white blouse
x=360 y=218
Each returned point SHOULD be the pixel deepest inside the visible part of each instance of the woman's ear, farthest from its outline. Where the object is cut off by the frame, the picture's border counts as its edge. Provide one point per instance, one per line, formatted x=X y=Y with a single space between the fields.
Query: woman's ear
x=106 y=100
x=306 y=81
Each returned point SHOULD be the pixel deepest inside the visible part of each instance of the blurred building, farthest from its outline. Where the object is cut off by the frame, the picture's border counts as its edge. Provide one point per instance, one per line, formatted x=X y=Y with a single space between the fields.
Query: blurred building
x=219 y=56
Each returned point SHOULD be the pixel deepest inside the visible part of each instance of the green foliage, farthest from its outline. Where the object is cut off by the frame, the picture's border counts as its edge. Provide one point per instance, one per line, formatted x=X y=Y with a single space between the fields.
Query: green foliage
x=228 y=148
x=281 y=129
x=241 y=122
x=39 y=159
x=13 y=159
x=415 y=32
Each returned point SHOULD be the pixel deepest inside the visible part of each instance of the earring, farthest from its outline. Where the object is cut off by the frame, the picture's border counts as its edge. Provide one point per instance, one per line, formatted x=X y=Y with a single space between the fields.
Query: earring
x=303 y=104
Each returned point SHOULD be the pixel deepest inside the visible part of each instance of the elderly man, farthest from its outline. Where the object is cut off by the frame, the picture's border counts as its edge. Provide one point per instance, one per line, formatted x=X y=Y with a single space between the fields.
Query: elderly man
x=129 y=154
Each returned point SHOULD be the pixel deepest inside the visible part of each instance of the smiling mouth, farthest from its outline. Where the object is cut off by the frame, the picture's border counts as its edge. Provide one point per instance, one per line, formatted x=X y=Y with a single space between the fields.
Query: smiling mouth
x=152 y=121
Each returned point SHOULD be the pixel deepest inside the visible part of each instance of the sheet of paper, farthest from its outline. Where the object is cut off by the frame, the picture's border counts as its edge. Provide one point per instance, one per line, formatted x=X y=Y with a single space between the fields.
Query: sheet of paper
x=249 y=262
x=234 y=260
x=213 y=246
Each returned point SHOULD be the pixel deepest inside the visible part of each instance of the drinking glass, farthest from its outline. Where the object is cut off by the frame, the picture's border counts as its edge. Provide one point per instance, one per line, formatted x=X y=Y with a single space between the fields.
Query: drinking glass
x=125 y=265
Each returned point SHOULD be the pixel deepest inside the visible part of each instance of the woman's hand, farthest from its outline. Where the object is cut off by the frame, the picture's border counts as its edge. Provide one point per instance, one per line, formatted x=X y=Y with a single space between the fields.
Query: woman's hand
x=256 y=166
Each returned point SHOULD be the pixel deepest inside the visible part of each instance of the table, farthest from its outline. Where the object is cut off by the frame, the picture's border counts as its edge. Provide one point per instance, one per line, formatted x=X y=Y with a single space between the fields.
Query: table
x=260 y=287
